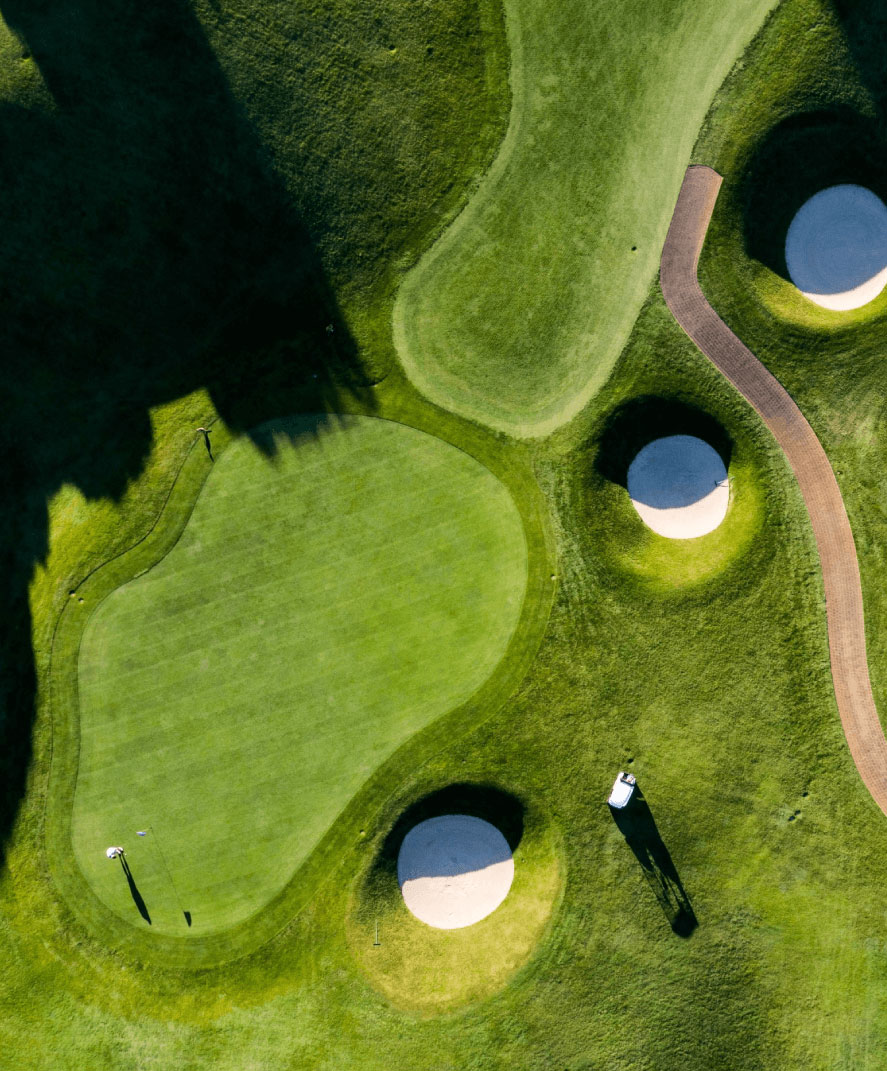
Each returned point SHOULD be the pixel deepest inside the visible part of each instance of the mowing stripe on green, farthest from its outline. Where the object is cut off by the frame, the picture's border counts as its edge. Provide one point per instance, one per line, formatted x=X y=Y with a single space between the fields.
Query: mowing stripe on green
x=517 y=315
x=321 y=606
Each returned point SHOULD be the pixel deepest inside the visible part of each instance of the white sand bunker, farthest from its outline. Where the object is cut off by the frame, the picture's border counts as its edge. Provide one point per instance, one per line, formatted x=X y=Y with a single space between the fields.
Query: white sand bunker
x=454 y=870
x=679 y=486
x=836 y=247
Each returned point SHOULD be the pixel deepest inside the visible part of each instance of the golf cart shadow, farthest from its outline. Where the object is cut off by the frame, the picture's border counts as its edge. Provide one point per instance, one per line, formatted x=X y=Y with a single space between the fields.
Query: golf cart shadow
x=636 y=823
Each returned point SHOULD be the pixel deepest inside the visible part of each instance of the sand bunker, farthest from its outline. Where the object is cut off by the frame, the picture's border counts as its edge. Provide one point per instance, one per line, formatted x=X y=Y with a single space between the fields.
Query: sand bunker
x=679 y=486
x=454 y=870
x=836 y=247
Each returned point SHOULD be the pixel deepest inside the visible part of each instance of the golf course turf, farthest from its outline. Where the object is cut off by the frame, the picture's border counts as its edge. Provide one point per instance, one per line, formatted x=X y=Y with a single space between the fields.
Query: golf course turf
x=518 y=314
x=411 y=228
x=314 y=614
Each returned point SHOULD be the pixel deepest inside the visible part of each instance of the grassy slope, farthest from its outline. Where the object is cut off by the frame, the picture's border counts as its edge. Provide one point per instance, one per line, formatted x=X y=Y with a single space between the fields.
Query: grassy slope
x=396 y=157
x=516 y=317
x=317 y=611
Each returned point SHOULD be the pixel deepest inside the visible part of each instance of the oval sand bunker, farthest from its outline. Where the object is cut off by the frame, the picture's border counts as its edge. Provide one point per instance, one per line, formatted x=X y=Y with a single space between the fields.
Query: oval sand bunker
x=454 y=870
x=679 y=486
x=836 y=247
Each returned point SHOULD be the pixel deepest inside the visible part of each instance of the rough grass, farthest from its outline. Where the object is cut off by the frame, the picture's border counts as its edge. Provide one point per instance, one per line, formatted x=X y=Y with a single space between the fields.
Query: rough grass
x=518 y=314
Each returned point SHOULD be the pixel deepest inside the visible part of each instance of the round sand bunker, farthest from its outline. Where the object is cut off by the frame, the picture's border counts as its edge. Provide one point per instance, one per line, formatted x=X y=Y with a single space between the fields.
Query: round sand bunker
x=679 y=486
x=836 y=247
x=454 y=870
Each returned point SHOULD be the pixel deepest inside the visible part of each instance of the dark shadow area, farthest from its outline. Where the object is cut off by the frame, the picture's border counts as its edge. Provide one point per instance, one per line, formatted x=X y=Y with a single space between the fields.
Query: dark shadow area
x=187 y=915
x=148 y=250
x=499 y=808
x=637 y=825
x=134 y=891
x=798 y=158
x=864 y=23
x=458 y=844
x=824 y=147
x=638 y=422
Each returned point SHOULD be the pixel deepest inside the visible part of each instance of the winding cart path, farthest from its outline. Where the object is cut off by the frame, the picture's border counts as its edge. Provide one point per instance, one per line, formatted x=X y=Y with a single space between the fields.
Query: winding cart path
x=822 y=496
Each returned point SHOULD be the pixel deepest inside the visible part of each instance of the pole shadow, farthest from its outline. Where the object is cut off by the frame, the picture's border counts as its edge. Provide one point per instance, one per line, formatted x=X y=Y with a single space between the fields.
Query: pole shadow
x=636 y=823
x=137 y=898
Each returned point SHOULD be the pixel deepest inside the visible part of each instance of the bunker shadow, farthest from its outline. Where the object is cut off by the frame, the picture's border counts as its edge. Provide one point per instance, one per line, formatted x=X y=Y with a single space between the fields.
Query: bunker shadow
x=149 y=250
x=798 y=158
x=501 y=809
x=636 y=823
x=631 y=426
x=137 y=898
x=825 y=146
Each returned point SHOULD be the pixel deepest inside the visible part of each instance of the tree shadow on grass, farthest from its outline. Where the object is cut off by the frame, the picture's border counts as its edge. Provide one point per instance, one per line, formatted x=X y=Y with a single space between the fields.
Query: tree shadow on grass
x=148 y=251
x=637 y=825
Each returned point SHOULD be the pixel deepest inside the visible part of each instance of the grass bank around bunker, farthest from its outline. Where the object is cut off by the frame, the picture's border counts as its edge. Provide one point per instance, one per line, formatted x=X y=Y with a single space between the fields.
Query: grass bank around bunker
x=322 y=605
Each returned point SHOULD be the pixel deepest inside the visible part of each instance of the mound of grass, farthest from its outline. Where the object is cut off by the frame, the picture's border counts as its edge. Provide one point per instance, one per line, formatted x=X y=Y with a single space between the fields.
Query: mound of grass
x=423 y=969
x=517 y=316
x=316 y=612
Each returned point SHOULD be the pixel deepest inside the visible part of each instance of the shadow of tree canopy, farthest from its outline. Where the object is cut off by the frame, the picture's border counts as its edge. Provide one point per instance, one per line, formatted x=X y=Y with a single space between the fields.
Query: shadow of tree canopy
x=636 y=823
x=148 y=251
x=631 y=426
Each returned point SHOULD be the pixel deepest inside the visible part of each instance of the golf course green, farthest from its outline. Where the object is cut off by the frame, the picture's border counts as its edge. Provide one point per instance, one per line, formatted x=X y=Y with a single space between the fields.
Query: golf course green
x=330 y=332
x=321 y=606
x=517 y=315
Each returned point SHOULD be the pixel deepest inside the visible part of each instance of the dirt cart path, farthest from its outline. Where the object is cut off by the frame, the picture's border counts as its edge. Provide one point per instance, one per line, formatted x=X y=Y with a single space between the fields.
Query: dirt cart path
x=834 y=538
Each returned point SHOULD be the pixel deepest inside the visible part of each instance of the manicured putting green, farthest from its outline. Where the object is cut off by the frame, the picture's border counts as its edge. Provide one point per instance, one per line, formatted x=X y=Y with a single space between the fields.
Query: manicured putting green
x=320 y=607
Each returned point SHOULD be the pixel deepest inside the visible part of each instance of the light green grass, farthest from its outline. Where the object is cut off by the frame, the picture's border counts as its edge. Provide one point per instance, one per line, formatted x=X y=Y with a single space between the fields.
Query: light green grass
x=517 y=315
x=319 y=609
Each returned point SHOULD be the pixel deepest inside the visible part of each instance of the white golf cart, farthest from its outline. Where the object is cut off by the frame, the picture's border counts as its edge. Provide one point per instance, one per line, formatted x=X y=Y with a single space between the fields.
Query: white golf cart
x=623 y=790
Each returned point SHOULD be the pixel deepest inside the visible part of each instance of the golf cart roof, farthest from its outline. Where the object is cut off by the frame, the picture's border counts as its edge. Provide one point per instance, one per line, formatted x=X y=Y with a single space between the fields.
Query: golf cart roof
x=623 y=787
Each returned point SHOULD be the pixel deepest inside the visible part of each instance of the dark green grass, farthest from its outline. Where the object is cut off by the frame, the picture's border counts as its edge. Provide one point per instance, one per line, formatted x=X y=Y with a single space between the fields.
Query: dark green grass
x=313 y=615
x=517 y=316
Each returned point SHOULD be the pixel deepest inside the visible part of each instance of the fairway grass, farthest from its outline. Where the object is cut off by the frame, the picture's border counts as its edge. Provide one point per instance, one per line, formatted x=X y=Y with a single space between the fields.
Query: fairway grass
x=516 y=316
x=321 y=606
